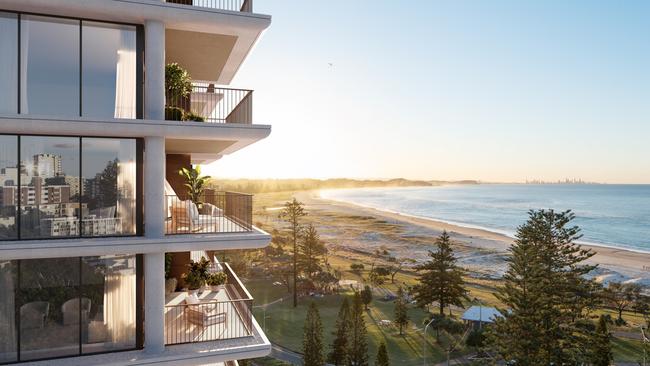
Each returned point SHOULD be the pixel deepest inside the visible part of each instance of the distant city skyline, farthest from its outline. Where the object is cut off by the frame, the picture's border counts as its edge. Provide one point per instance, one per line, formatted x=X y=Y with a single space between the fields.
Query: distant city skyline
x=499 y=91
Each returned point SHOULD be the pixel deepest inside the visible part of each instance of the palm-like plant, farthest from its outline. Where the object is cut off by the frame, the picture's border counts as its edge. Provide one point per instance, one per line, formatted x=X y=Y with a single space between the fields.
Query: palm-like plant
x=194 y=182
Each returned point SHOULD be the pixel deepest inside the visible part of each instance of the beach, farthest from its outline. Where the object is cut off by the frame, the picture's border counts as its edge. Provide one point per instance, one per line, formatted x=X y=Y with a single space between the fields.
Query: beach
x=362 y=230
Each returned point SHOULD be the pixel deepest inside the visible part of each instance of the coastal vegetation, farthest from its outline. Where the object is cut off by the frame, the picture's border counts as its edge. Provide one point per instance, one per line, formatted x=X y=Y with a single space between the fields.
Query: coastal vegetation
x=292 y=185
x=339 y=273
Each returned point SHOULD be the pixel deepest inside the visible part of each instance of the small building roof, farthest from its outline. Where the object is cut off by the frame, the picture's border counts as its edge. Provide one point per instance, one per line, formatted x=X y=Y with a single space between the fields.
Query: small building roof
x=481 y=314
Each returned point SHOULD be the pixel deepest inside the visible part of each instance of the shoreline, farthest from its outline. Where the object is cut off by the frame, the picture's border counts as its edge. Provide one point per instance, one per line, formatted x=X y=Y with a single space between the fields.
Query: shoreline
x=615 y=264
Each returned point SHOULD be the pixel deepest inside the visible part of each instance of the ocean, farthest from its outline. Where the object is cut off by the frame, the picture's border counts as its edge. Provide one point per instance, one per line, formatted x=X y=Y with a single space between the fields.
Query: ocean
x=609 y=215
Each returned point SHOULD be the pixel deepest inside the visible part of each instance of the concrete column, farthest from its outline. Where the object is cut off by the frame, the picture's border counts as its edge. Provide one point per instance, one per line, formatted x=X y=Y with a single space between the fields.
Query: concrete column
x=154 y=302
x=154 y=51
x=154 y=187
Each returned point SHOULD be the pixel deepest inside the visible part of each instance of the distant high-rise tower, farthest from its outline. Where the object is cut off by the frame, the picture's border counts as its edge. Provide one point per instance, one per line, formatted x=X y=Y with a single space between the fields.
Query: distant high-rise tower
x=47 y=165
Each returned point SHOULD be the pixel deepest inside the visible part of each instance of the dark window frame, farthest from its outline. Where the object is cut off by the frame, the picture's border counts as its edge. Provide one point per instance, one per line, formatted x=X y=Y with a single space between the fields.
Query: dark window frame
x=139 y=189
x=139 y=35
x=139 y=311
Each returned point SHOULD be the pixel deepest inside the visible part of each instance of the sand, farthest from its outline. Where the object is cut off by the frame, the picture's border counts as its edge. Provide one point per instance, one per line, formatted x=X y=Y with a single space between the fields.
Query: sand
x=482 y=252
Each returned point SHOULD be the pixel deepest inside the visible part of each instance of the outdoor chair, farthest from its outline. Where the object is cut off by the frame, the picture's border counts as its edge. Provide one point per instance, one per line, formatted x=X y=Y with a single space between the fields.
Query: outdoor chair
x=70 y=310
x=33 y=314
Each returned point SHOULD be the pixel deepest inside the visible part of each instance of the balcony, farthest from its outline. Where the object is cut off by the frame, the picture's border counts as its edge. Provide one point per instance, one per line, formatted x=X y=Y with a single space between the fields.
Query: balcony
x=219 y=212
x=245 y=6
x=219 y=315
x=208 y=103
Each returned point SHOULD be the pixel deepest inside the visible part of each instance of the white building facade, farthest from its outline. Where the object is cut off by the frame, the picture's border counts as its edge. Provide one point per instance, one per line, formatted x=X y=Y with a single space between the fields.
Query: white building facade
x=96 y=228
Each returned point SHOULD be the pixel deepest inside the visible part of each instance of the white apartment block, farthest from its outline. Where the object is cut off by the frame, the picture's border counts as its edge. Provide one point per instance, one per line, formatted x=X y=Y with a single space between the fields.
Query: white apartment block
x=93 y=214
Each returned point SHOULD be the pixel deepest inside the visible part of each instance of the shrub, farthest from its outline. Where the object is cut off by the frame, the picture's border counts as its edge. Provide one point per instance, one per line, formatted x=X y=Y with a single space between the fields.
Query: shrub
x=173 y=114
x=217 y=278
x=178 y=81
x=189 y=116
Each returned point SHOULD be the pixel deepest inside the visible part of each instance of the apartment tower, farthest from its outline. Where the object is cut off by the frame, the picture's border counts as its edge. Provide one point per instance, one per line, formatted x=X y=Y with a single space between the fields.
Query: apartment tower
x=96 y=226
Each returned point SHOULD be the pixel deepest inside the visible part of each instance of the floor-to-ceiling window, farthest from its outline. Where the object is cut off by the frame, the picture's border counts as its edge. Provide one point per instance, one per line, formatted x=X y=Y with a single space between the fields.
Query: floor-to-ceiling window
x=50 y=62
x=66 y=187
x=109 y=195
x=52 y=66
x=49 y=187
x=9 y=62
x=8 y=187
x=67 y=306
x=109 y=70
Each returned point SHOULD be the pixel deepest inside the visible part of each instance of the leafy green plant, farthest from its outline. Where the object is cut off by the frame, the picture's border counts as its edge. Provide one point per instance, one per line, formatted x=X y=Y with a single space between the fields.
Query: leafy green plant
x=217 y=278
x=173 y=114
x=197 y=274
x=178 y=82
x=193 y=280
x=168 y=264
x=191 y=116
x=194 y=182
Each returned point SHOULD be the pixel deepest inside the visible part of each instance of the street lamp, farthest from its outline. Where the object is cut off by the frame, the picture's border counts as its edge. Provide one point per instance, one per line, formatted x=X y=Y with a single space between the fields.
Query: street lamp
x=424 y=341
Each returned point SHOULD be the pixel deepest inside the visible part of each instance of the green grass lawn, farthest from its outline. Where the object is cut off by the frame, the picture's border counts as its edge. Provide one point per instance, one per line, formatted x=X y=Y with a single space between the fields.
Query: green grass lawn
x=627 y=350
x=284 y=324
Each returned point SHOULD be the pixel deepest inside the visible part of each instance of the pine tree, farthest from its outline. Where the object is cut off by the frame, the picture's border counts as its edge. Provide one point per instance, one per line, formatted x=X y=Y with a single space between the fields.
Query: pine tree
x=601 y=349
x=545 y=278
x=292 y=212
x=366 y=296
x=382 y=356
x=441 y=280
x=357 y=342
x=401 y=311
x=339 y=350
x=310 y=251
x=312 y=343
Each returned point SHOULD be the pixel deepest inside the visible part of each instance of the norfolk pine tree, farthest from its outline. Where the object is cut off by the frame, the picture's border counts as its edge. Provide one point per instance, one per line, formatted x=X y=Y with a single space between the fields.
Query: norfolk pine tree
x=292 y=212
x=545 y=278
x=601 y=348
x=357 y=342
x=401 y=311
x=312 y=343
x=310 y=251
x=382 y=356
x=366 y=296
x=338 y=355
x=440 y=279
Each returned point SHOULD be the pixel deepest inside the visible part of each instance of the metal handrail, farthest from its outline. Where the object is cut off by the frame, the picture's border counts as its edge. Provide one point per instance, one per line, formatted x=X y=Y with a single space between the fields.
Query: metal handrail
x=220 y=212
x=209 y=103
x=210 y=320
x=244 y=6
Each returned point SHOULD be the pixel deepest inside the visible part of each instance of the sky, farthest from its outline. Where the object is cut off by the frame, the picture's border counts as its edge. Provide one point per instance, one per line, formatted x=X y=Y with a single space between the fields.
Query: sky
x=496 y=91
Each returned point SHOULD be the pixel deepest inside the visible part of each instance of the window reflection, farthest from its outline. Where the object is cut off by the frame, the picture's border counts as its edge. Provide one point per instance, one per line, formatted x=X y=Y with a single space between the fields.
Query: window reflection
x=49 y=66
x=48 y=295
x=9 y=63
x=66 y=305
x=8 y=333
x=109 y=70
x=8 y=186
x=49 y=187
x=109 y=283
x=109 y=180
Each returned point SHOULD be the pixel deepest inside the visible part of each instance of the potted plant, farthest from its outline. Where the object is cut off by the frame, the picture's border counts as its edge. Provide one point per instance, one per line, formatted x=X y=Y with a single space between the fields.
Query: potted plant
x=217 y=280
x=178 y=86
x=170 y=282
x=196 y=275
x=193 y=281
x=194 y=182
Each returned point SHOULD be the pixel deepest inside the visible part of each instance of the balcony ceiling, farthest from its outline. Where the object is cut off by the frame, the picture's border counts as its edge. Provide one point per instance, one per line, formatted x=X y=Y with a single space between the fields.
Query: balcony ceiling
x=203 y=55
